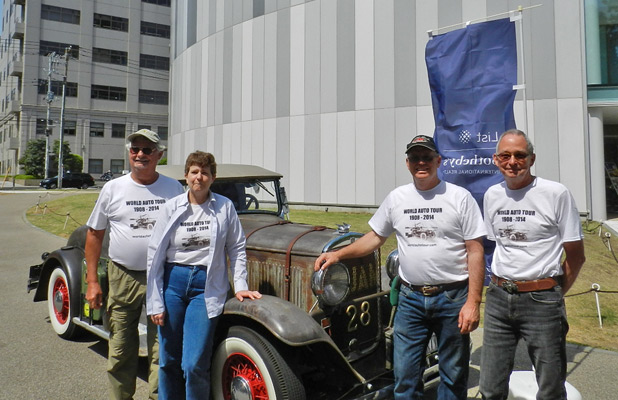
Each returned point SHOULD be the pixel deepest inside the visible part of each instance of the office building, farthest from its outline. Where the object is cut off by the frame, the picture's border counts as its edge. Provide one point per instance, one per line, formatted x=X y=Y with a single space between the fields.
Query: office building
x=116 y=82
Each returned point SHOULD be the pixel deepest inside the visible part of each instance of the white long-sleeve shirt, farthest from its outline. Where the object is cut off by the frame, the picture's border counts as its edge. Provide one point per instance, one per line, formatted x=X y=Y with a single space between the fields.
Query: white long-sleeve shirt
x=227 y=238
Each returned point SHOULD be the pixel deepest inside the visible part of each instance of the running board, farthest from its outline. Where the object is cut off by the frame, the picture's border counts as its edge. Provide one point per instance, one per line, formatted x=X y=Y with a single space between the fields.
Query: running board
x=102 y=333
x=96 y=329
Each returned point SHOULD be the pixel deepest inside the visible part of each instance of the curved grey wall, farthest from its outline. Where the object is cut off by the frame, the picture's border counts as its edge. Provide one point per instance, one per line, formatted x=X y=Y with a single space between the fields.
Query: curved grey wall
x=328 y=92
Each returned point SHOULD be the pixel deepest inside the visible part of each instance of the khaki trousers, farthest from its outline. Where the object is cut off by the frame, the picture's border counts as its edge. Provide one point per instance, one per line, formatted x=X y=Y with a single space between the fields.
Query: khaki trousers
x=127 y=296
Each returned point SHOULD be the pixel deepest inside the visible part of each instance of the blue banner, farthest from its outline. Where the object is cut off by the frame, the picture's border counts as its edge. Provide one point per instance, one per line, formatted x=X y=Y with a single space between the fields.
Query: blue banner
x=471 y=74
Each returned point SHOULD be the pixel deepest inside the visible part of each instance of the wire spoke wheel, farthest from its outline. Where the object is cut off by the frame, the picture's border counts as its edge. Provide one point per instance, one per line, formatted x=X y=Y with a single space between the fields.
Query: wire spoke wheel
x=246 y=366
x=59 y=304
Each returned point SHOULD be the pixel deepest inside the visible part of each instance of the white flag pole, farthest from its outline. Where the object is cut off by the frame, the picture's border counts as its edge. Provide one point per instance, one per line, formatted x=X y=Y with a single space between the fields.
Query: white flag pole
x=522 y=65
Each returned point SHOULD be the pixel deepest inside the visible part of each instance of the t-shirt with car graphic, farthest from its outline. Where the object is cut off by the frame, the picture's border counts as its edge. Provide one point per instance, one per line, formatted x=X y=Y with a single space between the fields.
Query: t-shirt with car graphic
x=190 y=242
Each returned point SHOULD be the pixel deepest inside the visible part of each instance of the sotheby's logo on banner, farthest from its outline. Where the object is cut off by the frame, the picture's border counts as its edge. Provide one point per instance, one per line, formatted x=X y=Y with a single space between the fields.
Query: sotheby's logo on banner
x=471 y=74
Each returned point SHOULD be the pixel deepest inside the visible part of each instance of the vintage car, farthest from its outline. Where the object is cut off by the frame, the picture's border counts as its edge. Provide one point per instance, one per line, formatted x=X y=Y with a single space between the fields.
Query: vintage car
x=324 y=335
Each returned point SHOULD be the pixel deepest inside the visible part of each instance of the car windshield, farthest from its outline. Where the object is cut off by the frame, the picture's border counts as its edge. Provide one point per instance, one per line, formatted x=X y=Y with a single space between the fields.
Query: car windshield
x=251 y=195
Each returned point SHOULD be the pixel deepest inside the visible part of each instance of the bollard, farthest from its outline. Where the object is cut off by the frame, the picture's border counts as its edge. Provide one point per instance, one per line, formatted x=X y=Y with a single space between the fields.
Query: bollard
x=596 y=287
x=65 y=222
x=44 y=208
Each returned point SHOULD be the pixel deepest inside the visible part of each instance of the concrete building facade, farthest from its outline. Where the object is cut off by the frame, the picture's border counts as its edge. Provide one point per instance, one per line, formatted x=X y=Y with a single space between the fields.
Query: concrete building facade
x=117 y=79
x=328 y=92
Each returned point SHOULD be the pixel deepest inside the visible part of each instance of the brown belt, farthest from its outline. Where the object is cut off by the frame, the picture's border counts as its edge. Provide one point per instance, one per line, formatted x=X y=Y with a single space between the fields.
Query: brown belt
x=432 y=290
x=524 y=286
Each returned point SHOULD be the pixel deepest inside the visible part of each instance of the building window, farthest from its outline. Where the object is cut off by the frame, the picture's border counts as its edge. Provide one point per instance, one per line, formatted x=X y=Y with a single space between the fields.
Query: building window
x=162 y=131
x=41 y=126
x=103 y=92
x=60 y=14
x=118 y=130
x=153 y=97
x=116 y=166
x=111 y=22
x=97 y=129
x=166 y=3
x=46 y=48
x=69 y=128
x=56 y=88
x=153 y=29
x=95 y=166
x=154 y=62
x=109 y=56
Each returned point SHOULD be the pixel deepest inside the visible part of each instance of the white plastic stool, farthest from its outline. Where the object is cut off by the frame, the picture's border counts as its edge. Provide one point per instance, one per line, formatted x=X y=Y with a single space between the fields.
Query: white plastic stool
x=522 y=386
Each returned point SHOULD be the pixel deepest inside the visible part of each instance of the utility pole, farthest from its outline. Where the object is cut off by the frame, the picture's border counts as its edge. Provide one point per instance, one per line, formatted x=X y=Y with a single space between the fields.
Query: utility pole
x=49 y=98
x=64 y=95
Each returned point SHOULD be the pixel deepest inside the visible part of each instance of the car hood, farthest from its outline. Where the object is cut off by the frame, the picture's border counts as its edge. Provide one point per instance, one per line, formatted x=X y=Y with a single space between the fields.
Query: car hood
x=277 y=235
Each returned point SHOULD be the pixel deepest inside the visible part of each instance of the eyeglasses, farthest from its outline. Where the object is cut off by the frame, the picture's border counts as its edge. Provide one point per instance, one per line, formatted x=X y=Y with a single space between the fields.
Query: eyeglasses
x=425 y=158
x=506 y=157
x=146 y=150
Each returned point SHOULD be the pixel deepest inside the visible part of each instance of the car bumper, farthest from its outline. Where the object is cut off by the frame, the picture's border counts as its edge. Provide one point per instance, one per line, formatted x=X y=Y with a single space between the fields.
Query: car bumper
x=34 y=276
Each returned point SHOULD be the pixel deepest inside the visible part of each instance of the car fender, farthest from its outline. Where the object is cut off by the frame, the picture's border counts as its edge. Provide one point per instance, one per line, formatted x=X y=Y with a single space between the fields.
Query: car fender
x=287 y=323
x=283 y=319
x=70 y=258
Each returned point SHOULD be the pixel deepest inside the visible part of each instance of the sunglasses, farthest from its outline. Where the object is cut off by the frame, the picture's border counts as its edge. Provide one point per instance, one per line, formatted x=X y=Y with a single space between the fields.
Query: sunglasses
x=425 y=158
x=506 y=157
x=146 y=150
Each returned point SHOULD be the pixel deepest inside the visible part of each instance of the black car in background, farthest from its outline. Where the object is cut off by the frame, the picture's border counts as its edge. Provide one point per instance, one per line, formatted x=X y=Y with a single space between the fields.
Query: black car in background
x=78 y=180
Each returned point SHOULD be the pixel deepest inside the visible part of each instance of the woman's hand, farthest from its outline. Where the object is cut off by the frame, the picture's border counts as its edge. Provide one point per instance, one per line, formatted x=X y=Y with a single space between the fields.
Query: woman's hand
x=158 y=319
x=250 y=294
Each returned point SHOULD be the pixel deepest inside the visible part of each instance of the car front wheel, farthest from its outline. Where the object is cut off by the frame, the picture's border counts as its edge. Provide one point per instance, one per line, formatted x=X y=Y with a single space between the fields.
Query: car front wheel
x=246 y=366
x=84 y=186
x=61 y=311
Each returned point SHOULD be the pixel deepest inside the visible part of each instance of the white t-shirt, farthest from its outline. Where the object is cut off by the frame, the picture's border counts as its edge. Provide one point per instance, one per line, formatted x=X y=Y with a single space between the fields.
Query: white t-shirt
x=130 y=210
x=431 y=227
x=529 y=227
x=190 y=241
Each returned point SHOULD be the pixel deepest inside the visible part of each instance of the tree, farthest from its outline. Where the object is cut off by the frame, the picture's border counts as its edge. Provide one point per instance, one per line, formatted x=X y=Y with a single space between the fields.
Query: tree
x=73 y=163
x=33 y=160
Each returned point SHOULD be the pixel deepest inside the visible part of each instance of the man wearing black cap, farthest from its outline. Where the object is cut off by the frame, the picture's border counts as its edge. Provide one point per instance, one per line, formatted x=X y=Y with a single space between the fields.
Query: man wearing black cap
x=128 y=206
x=439 y=230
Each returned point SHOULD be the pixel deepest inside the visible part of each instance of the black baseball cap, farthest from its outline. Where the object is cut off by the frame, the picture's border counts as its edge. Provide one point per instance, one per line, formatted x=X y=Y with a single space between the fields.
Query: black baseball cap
x=423 y=141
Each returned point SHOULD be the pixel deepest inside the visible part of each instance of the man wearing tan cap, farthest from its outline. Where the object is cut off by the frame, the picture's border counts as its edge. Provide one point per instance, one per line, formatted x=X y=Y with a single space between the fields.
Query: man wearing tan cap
x=128 y=206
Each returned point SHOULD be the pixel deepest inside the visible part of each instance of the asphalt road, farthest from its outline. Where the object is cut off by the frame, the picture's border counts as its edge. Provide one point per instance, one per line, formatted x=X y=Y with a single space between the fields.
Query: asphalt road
x=34 y=362
x=37 y=364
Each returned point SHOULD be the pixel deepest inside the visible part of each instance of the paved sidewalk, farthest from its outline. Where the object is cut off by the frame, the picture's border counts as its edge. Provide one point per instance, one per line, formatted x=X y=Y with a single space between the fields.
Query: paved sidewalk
x=593 y=372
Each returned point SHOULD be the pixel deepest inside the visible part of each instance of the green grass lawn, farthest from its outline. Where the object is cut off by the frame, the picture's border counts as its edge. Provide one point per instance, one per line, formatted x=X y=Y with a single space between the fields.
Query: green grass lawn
x=62 y=216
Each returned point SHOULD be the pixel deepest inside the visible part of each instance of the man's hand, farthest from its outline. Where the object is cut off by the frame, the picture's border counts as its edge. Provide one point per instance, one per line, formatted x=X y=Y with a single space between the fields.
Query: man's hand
x=325 y=260
x=94 y=242
x=363 y=246
x=158 y=319
x=469 y=317
x=94 y=295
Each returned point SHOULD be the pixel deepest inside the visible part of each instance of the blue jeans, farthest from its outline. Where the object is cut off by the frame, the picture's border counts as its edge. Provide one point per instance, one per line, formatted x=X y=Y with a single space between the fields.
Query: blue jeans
x=416 y=318
x=186 y=338
x=537 y=317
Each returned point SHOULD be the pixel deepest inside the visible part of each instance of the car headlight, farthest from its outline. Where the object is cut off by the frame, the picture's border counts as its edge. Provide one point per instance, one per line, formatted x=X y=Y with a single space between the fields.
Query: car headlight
x=392 y=264
x=331 y=285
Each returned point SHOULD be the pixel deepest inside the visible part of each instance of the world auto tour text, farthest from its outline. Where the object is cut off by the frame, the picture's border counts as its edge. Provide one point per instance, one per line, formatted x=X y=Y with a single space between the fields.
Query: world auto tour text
x=145 y=205
x=426 y=213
